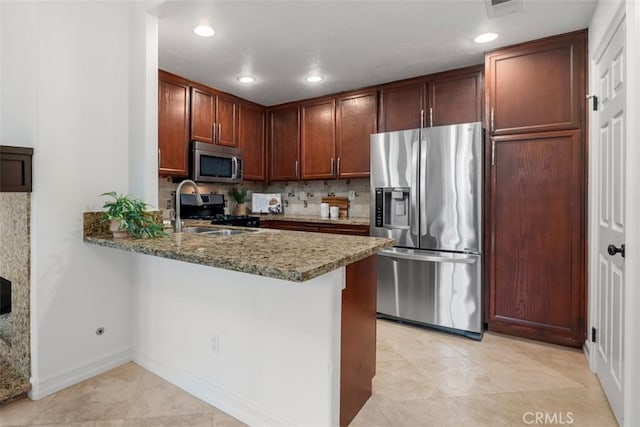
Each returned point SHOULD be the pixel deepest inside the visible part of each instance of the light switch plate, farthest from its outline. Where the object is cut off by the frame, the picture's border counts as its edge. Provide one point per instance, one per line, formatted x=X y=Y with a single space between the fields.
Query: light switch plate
x=352 y=194
x=302 y=195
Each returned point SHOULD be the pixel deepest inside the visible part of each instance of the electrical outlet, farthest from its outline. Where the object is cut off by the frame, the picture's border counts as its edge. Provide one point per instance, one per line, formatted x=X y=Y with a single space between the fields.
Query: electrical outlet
x=215 y=343
x=352 y=194
x=302 y=195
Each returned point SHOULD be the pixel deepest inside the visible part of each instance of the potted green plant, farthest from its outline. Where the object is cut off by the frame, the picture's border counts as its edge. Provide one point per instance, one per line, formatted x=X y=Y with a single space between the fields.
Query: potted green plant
x=239 y=194
x=129 y=217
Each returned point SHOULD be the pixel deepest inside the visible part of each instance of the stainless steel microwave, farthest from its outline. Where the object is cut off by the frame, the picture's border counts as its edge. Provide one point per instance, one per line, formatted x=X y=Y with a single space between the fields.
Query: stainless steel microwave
x=213 y=163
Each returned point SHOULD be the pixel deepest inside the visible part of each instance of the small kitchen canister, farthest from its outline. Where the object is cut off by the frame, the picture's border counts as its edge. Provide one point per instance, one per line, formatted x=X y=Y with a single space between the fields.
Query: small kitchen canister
x=334 y=212
x=324 y=210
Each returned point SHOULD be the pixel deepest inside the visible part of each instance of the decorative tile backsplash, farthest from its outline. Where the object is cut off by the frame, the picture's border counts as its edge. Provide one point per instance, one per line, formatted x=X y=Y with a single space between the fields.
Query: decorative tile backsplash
x=292 y=194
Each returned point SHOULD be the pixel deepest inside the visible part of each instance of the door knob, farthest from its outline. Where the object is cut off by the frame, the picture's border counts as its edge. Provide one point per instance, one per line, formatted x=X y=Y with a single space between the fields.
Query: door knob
x=612 y=249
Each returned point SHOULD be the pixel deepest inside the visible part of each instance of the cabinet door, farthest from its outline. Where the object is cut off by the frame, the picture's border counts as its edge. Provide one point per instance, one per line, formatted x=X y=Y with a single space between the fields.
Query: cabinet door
x=226 y=121
x=251 y=137
x=284 y=143
x=537 y=86
x=318 y=144
x=356 y=120
x=401 y=107
x=455 y=98
x=173 y=126
x=202 y=116
x=536 y=279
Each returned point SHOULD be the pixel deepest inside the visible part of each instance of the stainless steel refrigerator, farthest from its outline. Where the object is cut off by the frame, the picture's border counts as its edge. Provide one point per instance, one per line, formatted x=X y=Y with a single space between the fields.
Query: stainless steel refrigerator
x=426 y=189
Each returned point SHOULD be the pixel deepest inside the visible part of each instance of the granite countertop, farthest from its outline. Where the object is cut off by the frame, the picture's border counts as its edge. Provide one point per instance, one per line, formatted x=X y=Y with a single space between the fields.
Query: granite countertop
x=314 y=218
x=289 y=255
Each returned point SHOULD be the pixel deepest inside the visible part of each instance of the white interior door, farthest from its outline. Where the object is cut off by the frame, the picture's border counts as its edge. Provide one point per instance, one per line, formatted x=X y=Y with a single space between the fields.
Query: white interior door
x=610 y=280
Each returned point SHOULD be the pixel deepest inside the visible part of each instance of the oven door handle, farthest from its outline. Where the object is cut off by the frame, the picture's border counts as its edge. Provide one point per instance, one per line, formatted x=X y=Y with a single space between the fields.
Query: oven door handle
x=234 y=168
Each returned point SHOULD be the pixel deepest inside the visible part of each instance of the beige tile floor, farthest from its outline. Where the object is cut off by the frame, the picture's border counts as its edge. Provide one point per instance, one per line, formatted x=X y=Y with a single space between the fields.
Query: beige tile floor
x=424 y=378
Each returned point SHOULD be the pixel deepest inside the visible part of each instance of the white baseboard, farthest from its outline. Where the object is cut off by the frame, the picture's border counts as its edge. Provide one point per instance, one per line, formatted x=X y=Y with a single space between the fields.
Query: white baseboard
x=53 y=383
x=222 y=399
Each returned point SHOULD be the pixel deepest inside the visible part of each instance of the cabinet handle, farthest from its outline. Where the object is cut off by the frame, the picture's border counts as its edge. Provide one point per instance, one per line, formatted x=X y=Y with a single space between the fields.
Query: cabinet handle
x=493 y=152
x=296 y=169
x=338 y=174
x=213 y=131
x=159 y=157
x=421 y=119
x=493 y=123
x=431 y=116
x=219 y=131
x=332 y=163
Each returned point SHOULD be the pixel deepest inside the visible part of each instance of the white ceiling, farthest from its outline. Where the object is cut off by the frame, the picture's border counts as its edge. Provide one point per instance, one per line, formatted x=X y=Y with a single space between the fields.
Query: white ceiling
x=352 y=43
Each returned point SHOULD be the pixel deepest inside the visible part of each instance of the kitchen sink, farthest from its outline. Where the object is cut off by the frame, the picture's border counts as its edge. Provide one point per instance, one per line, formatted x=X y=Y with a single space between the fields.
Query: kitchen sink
x=227 y=232
x=215 y=231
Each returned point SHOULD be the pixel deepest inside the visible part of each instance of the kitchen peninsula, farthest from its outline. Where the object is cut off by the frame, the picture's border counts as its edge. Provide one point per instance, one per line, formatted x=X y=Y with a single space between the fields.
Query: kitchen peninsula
x=275 y=327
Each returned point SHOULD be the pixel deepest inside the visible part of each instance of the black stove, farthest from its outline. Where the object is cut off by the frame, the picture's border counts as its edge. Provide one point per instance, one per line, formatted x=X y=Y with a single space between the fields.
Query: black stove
x=238 y=220
x=212 y=210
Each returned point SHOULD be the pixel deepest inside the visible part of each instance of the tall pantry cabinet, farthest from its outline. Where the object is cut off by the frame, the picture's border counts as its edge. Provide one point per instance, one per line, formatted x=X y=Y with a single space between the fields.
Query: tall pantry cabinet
x=536 y=189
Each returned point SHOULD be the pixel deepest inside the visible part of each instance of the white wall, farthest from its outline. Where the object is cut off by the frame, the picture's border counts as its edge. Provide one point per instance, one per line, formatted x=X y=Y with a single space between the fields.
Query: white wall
x=279 y=342
x=67 y=85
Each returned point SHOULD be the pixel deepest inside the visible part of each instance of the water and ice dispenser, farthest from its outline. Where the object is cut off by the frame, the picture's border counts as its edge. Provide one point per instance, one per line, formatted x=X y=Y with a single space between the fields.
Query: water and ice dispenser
x=393 y=207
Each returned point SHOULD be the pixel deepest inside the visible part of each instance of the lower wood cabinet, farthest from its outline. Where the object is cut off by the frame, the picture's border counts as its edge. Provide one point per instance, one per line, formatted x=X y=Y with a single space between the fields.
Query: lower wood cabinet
x=313 y=227
x=358 y=337
x=537 y=285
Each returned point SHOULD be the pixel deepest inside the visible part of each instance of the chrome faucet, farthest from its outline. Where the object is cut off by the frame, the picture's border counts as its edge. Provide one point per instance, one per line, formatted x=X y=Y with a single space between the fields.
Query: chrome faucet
x=178 y=224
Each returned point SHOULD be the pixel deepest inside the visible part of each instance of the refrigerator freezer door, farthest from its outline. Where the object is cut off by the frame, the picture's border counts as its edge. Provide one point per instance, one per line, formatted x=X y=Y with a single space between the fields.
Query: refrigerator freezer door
x=394 y=186
x=435 y=288
x=450 y=188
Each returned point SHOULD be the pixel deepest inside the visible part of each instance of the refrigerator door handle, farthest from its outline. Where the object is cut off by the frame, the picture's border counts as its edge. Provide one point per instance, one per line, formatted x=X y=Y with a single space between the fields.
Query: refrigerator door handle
x=423 y=186
x=414 y=189
x=427 y=257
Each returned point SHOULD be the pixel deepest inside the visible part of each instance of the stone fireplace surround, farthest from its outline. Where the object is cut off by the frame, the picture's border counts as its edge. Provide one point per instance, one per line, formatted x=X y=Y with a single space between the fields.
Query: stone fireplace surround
x=15 y=343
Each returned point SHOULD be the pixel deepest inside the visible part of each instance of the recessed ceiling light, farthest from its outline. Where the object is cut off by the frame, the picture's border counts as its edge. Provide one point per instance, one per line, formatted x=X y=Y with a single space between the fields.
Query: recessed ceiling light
x=314 y=78
x=485 y=38
x=204 y=31
x=246 y=79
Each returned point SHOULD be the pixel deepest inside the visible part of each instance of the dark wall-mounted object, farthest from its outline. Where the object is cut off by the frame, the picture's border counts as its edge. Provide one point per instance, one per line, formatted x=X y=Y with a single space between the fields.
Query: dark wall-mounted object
x=5 y=296
x=15 y=169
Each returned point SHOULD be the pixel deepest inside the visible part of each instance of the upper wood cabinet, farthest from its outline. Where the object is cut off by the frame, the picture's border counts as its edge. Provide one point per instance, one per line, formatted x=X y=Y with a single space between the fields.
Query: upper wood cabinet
x=227 y=120
x=318 y=147
x=251 y=133
x=446 y=98
x=356 y=120
x=455 y=97
x=284 y=143
x=203 y=115
x=536 y=86
x=214 y=117
x=173 y=125
x=401 y=106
